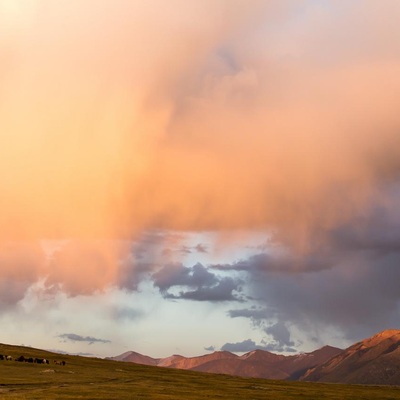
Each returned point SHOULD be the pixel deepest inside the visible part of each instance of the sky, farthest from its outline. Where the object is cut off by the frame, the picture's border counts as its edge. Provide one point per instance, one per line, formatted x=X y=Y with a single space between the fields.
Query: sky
x=198 y=176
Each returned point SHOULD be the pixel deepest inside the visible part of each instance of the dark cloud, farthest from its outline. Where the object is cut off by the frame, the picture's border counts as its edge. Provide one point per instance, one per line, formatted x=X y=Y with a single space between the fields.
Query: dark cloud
x=199 y=284
x=359 y=297
x=281 y=335
x=250 y=345
x=210 y=348
x=260 y=317
x=73 y=337
x=224 y=290
x=241 y=347
x=149 y=252
x=282 y=261
x=347 y=282
x=252 y=313
x=179 y=275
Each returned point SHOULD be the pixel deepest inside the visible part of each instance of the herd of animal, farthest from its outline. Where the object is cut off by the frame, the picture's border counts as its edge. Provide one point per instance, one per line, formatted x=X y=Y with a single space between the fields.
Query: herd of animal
x=31 y=360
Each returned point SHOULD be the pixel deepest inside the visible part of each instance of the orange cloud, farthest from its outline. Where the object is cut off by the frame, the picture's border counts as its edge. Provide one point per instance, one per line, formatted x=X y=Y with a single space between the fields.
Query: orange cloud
x=120 y=117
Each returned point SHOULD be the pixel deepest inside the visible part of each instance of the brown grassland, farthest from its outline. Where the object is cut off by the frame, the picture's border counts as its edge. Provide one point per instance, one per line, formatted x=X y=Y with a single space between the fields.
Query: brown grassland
x=93 y=378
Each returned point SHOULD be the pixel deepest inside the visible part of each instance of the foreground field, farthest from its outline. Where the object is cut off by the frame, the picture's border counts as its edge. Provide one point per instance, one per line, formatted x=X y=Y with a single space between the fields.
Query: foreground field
x=90 y=378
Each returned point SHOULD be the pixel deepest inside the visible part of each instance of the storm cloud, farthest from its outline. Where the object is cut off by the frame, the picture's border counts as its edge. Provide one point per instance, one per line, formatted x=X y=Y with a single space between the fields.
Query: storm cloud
x=205 y=285
x=350 y=284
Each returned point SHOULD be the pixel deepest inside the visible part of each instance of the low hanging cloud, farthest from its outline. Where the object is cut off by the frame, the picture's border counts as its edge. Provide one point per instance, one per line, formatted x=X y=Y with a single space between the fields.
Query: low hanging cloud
x=249 y=345
x=281 y=336
x=277 y=336
x=241 y=347
x=73 y=337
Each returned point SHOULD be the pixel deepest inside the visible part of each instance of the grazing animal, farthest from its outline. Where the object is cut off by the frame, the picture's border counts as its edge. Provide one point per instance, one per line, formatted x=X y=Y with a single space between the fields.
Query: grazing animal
x=59 y=362
x=2 y=357
x=29 y=360
x=20 y=359
x=9 y=358
x=39 y=361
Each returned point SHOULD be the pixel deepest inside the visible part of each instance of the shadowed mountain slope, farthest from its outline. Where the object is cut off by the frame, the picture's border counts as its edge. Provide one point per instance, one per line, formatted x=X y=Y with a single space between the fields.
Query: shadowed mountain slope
x=375 y=360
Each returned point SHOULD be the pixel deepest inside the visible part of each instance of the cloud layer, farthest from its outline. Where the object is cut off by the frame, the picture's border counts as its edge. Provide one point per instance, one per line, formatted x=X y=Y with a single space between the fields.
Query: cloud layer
x=124 y=127
x=109 y=130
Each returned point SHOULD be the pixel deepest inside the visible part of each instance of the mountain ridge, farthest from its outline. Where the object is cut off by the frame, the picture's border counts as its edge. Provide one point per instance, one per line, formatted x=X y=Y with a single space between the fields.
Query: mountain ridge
x=256 y=363
x=374 y=360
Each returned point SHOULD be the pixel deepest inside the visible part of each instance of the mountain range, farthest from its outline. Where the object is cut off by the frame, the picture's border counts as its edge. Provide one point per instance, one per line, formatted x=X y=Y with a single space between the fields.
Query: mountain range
x=375 y=360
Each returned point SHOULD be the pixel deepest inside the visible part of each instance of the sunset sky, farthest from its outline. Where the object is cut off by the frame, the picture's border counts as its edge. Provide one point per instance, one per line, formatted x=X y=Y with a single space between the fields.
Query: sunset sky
x=189 y=176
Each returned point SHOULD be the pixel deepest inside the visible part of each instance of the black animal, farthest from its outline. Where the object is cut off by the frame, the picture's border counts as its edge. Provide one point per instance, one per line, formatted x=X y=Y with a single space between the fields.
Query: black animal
x=2 y=357
x=20 y=359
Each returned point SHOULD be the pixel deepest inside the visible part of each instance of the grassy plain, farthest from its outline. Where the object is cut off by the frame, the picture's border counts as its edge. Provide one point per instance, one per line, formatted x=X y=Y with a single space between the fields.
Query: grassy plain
x=92 y=378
